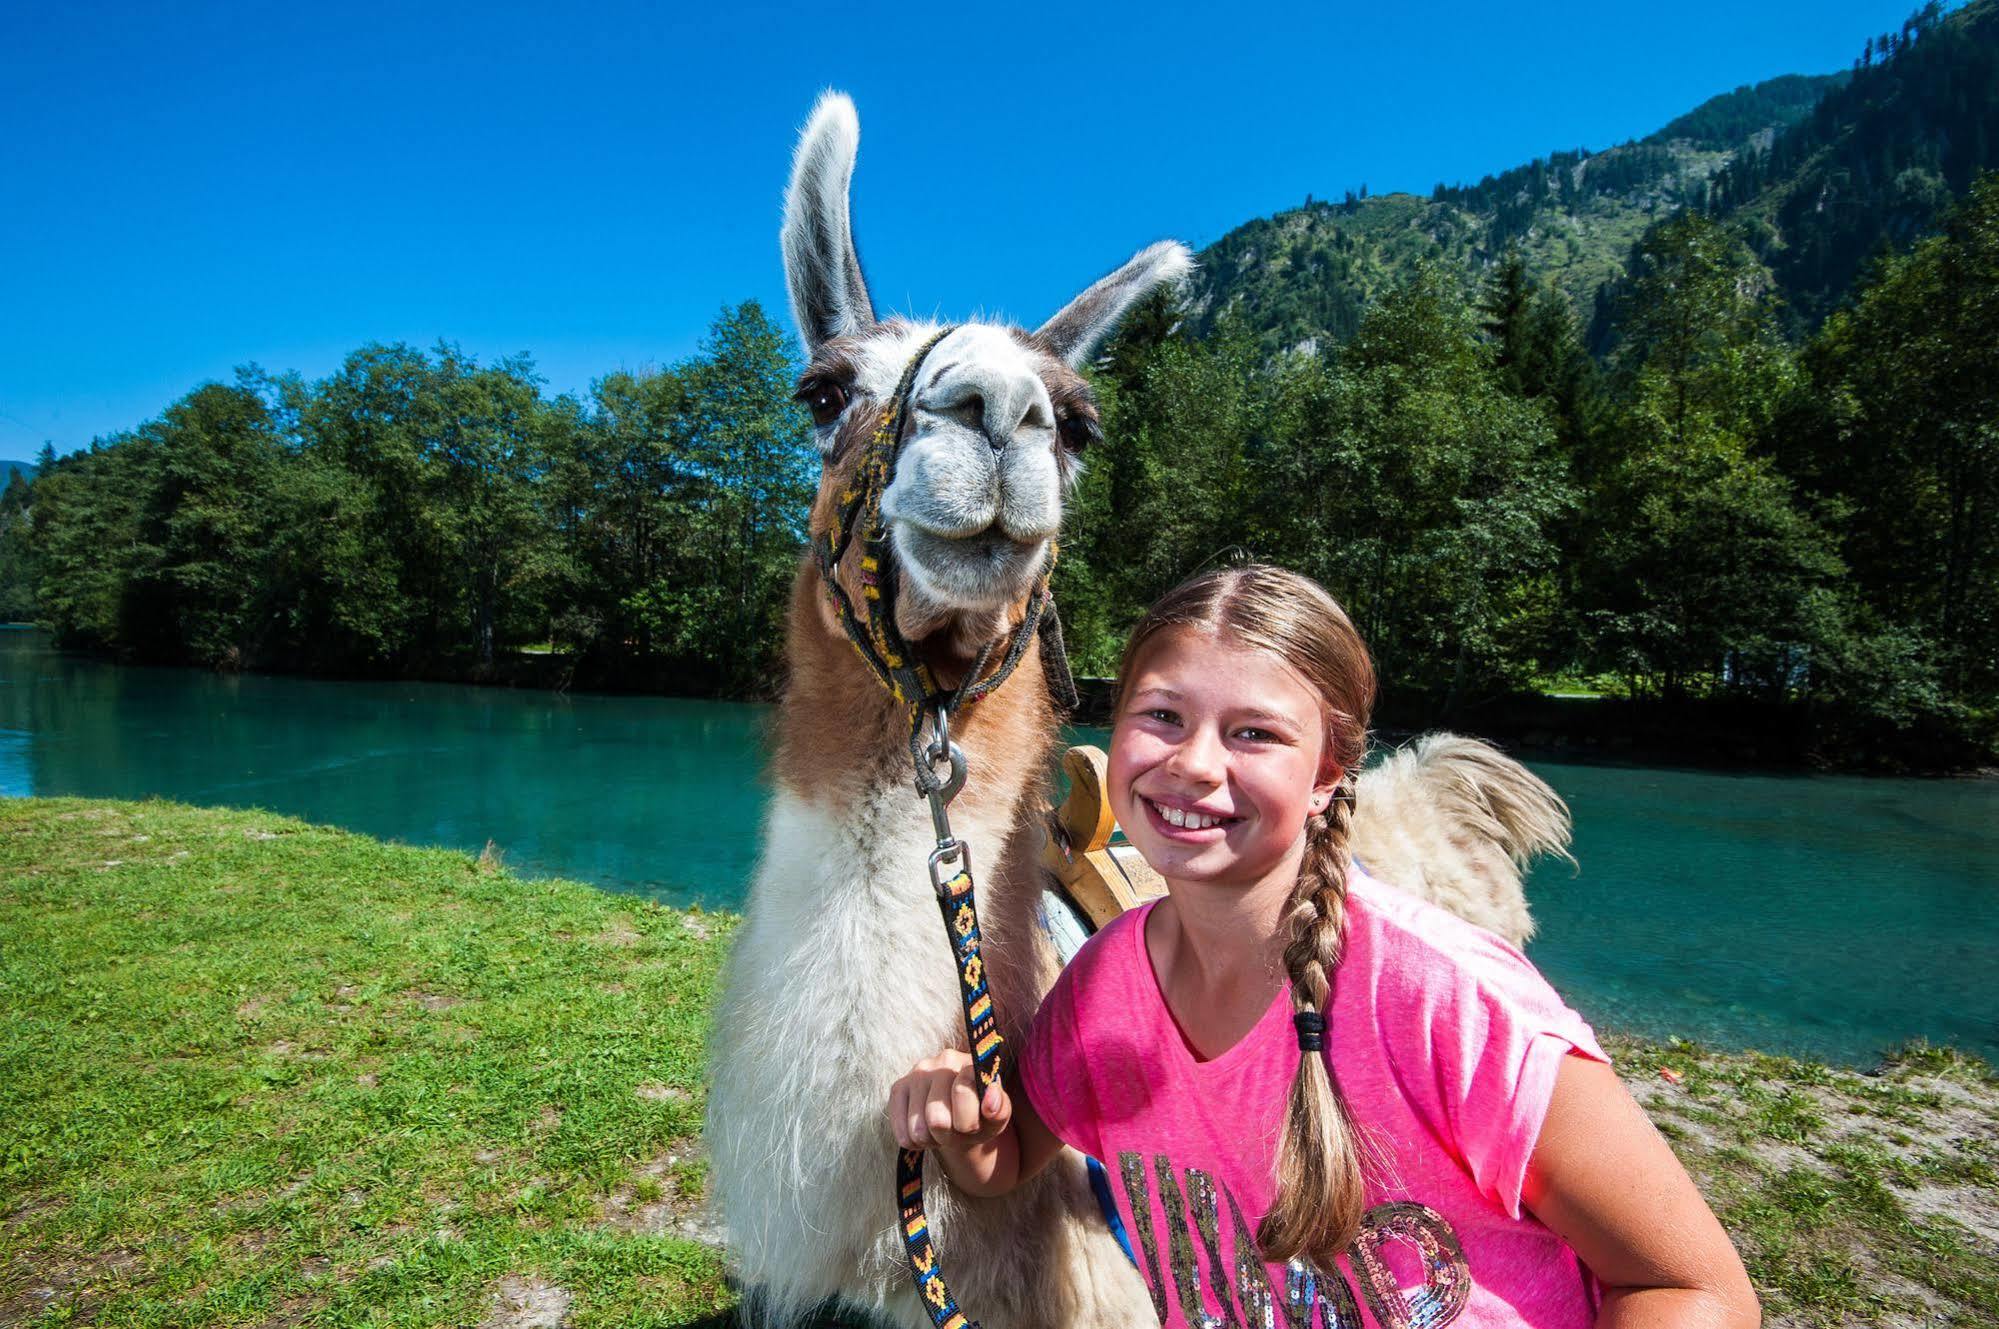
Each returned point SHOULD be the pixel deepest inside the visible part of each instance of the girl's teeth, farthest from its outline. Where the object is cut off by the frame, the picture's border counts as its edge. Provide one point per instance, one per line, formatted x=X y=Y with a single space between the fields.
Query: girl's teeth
x=1190 y=820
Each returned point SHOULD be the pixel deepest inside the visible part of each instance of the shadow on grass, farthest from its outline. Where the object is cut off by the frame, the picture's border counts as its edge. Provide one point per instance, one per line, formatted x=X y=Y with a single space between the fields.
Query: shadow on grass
x=827 y=1317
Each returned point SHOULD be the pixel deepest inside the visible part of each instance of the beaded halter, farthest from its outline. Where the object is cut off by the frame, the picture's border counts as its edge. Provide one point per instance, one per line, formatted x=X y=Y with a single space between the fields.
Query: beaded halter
x=870 y=624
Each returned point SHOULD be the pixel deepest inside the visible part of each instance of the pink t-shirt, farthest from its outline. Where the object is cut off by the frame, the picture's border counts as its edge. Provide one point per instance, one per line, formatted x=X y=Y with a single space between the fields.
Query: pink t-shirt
x=1445 y=1041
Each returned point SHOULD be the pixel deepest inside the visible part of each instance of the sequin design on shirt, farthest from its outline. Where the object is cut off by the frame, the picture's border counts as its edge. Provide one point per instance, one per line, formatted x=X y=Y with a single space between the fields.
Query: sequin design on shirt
x=1446 y=1275
x=1131 y=1166
x=1312 y=1297
x=1261 y=1307
x=1207 y=1222
x=1180 y=1252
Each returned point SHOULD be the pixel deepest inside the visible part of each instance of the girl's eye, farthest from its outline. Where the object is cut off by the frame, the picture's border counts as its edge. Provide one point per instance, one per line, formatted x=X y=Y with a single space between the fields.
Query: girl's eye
x=1163 y=716
x=1079 y=432
x=1257 y=735
x=825 y=398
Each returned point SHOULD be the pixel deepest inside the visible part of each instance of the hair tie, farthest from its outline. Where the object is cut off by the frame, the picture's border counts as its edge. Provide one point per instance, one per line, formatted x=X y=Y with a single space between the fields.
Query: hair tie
x=1311 y=1030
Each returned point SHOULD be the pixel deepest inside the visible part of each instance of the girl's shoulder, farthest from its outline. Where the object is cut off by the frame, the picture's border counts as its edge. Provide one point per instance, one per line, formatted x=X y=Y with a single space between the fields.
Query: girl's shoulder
x=1388 y=916
x=1108 y=966
x=1451 y=1024
x=1413 y=954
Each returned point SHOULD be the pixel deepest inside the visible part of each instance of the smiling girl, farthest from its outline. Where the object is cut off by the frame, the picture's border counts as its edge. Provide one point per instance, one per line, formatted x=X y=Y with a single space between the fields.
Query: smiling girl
x=1315 y=1095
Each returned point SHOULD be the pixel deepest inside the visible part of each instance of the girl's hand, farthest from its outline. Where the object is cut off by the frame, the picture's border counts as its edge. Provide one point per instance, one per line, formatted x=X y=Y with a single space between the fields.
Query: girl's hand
x=938 y=1105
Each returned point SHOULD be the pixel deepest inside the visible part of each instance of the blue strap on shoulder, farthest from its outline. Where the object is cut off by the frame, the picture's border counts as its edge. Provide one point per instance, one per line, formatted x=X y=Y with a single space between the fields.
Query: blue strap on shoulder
x=1100 y=1183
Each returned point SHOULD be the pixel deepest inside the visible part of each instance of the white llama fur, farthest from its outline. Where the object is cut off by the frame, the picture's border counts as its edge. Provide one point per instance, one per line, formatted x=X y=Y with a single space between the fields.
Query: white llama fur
x=1455 y=821
x=841 y=978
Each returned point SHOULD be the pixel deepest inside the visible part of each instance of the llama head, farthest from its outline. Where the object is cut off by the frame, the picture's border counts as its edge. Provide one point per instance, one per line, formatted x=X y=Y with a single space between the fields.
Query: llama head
x=998 y=417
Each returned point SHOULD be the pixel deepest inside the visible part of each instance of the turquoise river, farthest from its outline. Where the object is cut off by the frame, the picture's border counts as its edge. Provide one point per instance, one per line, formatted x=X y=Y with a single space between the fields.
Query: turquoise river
x=1817 y=915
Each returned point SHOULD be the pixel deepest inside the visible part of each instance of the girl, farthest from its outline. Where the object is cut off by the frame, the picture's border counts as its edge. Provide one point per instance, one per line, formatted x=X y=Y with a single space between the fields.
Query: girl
x=1313 y=1093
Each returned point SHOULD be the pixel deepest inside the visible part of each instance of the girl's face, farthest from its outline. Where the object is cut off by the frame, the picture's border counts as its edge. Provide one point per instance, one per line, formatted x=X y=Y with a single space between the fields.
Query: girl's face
x=1217 y=758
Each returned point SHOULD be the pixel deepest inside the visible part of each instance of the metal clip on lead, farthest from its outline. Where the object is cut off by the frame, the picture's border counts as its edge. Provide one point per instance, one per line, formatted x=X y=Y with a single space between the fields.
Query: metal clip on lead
x=949 y=848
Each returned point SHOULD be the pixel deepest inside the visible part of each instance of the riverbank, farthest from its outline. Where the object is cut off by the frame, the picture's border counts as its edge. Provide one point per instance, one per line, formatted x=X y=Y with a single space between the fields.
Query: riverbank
x=1732 y=735
x=254 y=1072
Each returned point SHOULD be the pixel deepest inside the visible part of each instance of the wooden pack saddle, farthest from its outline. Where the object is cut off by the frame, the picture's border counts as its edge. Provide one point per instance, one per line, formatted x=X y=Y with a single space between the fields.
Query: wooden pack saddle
x=1100 y=873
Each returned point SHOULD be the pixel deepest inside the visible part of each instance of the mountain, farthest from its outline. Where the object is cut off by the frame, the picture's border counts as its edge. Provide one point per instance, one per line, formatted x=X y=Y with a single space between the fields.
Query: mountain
x=1819 y=171
x=1876 y=159
x=7 y=468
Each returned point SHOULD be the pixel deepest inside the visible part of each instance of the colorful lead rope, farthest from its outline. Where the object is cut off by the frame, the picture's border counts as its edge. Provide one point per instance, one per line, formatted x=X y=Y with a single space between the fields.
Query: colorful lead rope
x=961 y=918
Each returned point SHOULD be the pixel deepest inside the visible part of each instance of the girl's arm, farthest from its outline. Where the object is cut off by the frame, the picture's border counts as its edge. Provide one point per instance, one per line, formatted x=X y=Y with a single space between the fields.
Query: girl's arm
x=1603 y=1179
x=987 y=1147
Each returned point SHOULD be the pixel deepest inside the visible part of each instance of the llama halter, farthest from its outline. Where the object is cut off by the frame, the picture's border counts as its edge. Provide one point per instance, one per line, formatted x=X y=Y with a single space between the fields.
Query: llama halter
x=871 y=627
x=870 y=624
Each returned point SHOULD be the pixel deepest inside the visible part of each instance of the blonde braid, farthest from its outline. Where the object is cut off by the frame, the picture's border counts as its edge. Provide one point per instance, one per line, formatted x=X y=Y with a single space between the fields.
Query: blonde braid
x=1321 y=1193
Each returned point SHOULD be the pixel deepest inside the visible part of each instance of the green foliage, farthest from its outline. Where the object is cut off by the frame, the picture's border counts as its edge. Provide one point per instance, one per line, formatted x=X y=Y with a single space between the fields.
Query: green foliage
x=427 y=470
x=420 y=512
x=17 y=567
x=1421 y=491
x=756 y=474
x=85 y=529
x=1902 y=429
x=679 y=501
x=1402 y=476
x=1701 y=566
x=201 y=577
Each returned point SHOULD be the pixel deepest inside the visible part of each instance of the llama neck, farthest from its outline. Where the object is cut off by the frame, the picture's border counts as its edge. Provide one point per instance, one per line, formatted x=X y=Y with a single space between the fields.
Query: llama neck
x=843 y=750
x=844 y=741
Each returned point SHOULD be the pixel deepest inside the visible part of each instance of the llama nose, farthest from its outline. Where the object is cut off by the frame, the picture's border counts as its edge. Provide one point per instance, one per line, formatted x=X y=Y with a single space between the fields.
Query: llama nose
x=996 y=401
x=978 y=414
x=1010 y=405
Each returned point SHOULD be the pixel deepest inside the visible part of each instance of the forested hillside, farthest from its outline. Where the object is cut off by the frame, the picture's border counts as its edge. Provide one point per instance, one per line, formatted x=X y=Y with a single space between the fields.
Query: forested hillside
x=1303 y=279
x=1875 y=162
x=1818 y=173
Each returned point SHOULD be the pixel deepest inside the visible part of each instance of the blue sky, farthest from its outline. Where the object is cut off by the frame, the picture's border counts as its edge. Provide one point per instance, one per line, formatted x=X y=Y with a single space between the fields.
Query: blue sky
x=185 y=188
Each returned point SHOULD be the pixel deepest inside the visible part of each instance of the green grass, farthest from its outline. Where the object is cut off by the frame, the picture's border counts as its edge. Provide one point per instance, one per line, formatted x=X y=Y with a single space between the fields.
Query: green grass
x=1854 y=1198
x=1581 y=685
x=254 y=1072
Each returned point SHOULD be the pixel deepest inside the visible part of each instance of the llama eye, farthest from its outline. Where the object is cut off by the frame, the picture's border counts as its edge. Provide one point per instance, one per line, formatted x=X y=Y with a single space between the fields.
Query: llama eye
x=1079 y=432
x=825 y=398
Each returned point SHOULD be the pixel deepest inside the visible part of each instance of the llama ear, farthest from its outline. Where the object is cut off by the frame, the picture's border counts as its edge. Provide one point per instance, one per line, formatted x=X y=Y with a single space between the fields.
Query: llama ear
x=1074 y=333
x=822 y=269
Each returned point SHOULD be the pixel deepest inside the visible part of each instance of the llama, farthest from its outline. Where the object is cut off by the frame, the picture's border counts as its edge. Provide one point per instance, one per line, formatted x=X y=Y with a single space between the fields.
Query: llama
x=841 y=976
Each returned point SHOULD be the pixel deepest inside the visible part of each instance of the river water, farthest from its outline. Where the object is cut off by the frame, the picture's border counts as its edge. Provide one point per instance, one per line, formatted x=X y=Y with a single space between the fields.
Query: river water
x=1822 y=916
